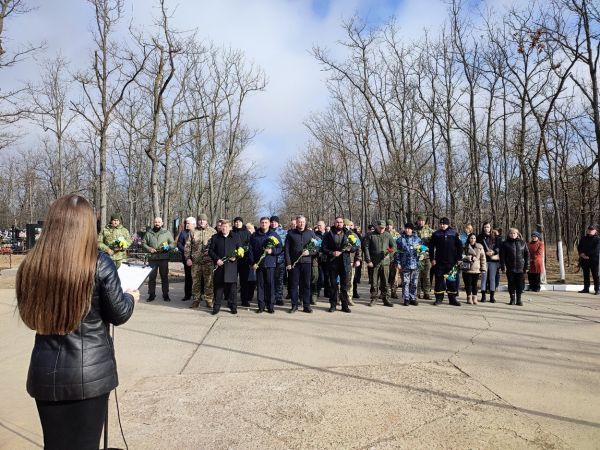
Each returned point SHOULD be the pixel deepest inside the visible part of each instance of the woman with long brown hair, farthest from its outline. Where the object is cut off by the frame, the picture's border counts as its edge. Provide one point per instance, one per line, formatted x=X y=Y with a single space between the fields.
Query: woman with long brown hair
x=68 y=292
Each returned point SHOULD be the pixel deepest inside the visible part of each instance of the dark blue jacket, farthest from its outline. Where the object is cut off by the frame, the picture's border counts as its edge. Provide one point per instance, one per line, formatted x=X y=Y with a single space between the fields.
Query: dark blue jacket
x=328 y=246
x=408 y=257
x=181 y=243
x=257 y=245
x=295 y=242
x=445 y=246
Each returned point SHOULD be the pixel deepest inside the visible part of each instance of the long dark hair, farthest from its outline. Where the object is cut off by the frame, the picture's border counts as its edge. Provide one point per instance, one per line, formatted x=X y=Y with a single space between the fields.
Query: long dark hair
x=466 y=246
x=481 y=236
x=55 y=281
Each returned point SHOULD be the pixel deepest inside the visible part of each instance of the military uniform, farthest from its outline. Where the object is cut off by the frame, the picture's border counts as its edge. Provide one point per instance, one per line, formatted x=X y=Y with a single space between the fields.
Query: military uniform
x=393 y=280
x=196 y=249
x=354 y=257
x=424 y=233
x=159 y=260
x=106 y=240
x=374 y=251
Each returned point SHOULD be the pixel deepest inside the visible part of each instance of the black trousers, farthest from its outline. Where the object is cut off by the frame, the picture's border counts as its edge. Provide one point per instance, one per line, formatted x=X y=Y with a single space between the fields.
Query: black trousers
x=534 y=281
x=337 y=269
x=244 y=273
x=442 y=284
x=162 y=267
x=357 y=275
x=471 y=281
x=227 y=290
x=187 y=285
x=265 y=287
x=299 y=276
x=515 y=283
x=588 y=265
x=72 y=425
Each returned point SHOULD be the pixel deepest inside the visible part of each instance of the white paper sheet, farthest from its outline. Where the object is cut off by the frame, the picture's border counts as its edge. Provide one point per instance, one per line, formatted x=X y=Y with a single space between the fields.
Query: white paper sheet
x=132 y=276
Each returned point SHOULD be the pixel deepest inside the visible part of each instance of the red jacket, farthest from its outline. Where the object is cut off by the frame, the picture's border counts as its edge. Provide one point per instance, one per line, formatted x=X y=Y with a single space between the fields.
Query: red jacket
x=536 y=253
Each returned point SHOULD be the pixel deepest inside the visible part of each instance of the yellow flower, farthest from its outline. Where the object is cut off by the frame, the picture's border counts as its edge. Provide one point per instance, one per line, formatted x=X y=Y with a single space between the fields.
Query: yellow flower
x=274 y=240
x=352 y=239
x=240 y=252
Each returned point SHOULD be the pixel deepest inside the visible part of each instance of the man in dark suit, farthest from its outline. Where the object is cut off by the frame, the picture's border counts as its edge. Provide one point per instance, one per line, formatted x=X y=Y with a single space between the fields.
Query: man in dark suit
x=295 y=243
x=445 y=250
x=225 y=277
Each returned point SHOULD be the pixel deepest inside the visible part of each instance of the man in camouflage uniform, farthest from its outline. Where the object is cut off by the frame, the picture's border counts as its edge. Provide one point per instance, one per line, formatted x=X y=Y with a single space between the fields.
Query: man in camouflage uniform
x=393 y=282
x=196 y=255
x=108 y=236
x=424 y=232
x=355 y=259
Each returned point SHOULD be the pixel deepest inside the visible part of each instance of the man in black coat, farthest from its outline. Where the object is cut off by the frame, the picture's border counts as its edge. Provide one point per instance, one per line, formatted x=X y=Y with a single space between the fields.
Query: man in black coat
x=588 y=249
x=295 y=243
x=225 y=277
x=243 y=265
x=445 y=250
x=265 y=271
x=337 y=248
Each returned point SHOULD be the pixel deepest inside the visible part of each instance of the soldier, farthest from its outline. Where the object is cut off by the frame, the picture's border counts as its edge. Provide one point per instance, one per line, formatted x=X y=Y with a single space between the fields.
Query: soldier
x=374 y=249
x=445 y=248
x=280 y=266
x=158 y=242
x=424 y=232
x=389 y=227
x=355 y=260
x=107 y=240
x=197 y=257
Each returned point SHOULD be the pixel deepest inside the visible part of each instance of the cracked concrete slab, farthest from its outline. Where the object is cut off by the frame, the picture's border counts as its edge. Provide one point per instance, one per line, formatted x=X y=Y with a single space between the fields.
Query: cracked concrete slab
x=487 y=376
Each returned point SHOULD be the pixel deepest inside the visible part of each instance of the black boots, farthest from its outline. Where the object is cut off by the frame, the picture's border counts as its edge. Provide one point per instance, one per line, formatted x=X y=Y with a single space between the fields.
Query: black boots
x=483 y=296
x=492 y=299
x=512 y=299
x=519 y=302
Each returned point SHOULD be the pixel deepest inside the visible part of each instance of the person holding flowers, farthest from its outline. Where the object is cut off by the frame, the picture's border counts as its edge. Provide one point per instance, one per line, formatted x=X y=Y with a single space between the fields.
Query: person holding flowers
x=338 y=244
x=225 y=248
x=158 y=241
x=445 y=250
x=114 y=239
x=300 y=245
x=263 y=249
x=377 y=256
x=474 y=258
x=408 y=259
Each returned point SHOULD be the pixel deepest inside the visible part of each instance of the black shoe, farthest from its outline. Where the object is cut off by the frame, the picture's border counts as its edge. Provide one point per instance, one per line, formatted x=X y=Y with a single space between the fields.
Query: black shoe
x=519 y=303
x=597 y=293
x=151 y=298
x=482 y=297
x=293 y=310
x=246 y=304
x=332 y=309
x=288 y=297
x=234 y=311
x=512 y=300
x=279 y=303
x=414 y=302
x=214 y=313
x=346 y=310
x=406 y=303
x=259 y=311
x=492 y=299
x=389 y=304
x=355 y=295
x=185 y=299
x=166 y=299
x=271 y=311
x=307 y=310
x=584 y=291
x=455 y=303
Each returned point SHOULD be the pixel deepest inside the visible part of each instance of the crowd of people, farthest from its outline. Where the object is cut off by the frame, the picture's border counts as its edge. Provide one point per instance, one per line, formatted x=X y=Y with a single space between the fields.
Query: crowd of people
x=330 y=259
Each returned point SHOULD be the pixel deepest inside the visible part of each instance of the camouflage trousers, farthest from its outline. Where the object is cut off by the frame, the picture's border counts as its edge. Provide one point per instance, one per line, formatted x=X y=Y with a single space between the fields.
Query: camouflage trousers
x=424 y=278
x=314 y=281
x=409 y=284
x=279 y=272
x=350 y=283
x=203 y=270
x=393 y=280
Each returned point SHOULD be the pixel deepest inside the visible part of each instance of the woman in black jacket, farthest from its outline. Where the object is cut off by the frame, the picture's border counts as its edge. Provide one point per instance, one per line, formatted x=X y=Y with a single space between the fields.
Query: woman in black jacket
x=514 y=261
x=491 y=242
x=69 y=293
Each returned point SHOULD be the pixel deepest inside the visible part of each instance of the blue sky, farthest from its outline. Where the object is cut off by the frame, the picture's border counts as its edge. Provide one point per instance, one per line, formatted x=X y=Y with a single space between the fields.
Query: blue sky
x=276 y=34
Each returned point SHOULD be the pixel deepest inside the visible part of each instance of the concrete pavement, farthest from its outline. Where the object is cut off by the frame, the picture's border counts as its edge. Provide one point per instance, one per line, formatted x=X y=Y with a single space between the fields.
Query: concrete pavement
x=486 y=376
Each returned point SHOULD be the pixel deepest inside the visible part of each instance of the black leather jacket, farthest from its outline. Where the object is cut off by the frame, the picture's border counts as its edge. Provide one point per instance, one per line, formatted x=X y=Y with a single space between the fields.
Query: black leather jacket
x=514 y=256
x=82 y=364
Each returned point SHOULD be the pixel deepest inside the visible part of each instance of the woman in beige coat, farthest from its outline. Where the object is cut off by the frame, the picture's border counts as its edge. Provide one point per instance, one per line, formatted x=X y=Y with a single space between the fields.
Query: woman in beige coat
x=474 y=257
